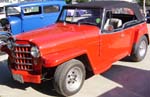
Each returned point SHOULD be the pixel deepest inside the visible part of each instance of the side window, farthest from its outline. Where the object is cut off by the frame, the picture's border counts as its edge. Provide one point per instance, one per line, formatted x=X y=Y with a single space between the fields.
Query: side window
x=116 y=18
x=51 y=8
x=112 y=23
x=32 y=10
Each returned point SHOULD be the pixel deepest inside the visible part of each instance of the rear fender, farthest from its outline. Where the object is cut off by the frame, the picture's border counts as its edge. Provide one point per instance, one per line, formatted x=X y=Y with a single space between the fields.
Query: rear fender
x=54 y=59
x=142 y=30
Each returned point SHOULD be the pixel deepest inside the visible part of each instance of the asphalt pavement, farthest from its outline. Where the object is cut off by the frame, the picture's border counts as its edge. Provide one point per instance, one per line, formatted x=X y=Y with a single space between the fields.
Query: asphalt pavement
x=123 y=79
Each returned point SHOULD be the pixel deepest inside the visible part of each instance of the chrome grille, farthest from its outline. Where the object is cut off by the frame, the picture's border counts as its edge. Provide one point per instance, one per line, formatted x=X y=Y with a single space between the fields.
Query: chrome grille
x=22 y=57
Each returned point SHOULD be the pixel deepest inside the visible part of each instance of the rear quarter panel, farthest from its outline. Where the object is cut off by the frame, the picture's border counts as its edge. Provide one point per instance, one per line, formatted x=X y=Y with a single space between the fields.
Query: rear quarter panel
x=140 y=30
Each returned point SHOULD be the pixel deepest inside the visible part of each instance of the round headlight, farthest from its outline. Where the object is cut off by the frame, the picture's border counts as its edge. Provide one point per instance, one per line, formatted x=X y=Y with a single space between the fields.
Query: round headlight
x=35 y=51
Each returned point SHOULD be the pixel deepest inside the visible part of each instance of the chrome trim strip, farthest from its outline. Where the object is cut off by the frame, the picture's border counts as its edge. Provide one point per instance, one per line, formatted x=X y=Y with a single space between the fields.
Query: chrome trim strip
x=22 y=58
x=21 y=45
x=29 y=64
x=22 y=52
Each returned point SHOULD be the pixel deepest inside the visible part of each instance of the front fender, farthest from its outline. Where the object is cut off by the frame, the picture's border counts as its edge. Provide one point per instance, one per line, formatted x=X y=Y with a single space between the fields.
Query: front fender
x=16 y=25
x=54 y=59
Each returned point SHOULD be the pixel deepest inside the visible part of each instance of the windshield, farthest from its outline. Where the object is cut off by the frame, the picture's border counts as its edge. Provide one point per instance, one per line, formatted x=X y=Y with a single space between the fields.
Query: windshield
x=81 y=16
x=13 y=10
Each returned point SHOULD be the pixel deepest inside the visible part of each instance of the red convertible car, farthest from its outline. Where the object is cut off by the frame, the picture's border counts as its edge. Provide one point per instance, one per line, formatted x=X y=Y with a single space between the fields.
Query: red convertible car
x=106 y=32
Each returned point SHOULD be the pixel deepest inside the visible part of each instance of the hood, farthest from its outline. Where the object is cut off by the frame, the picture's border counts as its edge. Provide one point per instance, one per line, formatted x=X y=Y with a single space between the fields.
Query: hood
x=57 y=37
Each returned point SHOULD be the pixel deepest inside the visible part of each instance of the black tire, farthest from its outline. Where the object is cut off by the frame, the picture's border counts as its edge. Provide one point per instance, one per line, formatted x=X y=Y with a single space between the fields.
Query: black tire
x=3 y=38
x=8 y=64
x=139 y=52
x=69 y=77
x=5 y=24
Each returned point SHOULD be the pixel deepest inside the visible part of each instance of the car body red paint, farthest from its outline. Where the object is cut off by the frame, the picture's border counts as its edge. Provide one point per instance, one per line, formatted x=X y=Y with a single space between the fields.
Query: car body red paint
x=68 y=40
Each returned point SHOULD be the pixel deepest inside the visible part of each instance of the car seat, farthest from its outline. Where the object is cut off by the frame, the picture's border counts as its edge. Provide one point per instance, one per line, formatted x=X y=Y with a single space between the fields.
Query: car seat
x=115 y=22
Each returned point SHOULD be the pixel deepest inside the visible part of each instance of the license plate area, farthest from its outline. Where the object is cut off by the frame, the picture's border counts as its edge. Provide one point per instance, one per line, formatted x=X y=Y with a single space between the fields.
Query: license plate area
x=18 y=78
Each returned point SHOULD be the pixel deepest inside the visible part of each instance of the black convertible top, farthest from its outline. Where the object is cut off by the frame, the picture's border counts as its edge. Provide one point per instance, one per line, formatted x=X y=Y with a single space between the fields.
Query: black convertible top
x=108 y=5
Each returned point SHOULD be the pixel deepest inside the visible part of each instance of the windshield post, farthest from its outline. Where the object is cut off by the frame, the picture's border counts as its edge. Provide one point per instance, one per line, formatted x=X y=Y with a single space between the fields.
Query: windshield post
x=103 y=19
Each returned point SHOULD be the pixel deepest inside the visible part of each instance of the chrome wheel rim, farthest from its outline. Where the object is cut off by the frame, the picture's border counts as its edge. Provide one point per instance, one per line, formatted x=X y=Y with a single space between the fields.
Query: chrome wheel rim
x=74 y=79
x=142 y=48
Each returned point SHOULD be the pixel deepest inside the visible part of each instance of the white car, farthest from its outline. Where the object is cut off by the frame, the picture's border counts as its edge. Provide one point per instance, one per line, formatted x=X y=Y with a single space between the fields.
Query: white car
x=2 y=10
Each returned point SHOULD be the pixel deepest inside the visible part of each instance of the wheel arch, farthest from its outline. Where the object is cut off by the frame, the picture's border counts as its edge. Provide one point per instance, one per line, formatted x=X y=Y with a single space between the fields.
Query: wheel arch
x=55 y=59
x=85 y=60
x=135 y=55
x=135 y=44
x=147 y=36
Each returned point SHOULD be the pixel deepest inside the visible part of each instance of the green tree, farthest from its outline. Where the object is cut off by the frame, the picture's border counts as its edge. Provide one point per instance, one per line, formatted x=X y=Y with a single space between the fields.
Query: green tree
x=142 y=1
x=147 y=2
x=68 y=1
x=80 y=1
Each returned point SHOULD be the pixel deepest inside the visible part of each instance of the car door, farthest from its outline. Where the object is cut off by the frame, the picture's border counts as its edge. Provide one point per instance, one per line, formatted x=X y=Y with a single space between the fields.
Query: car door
x=113 y=46
x=50 y=13
x=114 y=41
x=32 y=18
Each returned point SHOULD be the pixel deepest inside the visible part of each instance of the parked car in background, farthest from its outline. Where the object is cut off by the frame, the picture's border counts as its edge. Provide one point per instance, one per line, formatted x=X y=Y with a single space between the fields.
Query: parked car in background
x=23 y=17
x=2 y=10
x=106 y=32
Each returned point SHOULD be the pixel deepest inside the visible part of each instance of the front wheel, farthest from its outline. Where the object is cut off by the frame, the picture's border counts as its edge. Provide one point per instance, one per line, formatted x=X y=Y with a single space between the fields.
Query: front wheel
x=69 y=77
x=140 y=50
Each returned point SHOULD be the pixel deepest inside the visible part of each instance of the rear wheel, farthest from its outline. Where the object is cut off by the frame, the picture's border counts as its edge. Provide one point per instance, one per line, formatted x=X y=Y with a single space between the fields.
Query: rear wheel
x=140 y=50
x=69 y=77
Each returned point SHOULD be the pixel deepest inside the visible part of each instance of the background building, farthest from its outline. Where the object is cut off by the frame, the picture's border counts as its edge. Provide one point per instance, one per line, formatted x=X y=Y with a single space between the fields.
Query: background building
x=18 y=1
